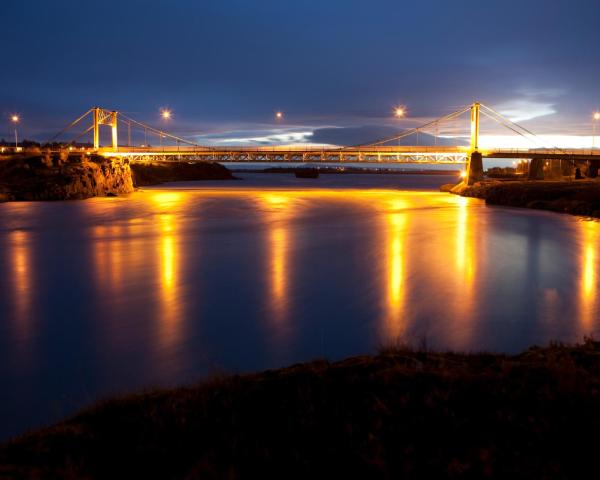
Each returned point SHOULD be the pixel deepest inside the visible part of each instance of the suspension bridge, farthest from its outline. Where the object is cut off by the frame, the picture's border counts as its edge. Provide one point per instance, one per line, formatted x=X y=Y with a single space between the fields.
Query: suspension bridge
x=387 y=150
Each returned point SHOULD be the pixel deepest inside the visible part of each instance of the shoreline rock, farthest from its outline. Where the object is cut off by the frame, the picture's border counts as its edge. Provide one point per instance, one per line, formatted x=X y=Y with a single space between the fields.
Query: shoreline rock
x=579 y=197
x=77 y=176
x=63 y=177
x=157 y=172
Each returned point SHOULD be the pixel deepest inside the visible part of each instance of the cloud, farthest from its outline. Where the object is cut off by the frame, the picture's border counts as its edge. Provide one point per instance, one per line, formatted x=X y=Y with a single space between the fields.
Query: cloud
x=258 y=137
x=525 y=109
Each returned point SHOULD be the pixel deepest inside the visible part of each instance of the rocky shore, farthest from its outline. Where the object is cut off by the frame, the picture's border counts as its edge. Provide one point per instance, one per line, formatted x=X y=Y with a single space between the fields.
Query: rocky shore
x=400 y=414
x=576 y=197
x=77 y=176
x=63 y=177
x=156 y=172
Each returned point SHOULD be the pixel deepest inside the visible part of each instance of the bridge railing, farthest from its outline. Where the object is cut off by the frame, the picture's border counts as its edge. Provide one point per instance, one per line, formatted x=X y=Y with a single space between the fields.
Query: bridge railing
x=548 y=151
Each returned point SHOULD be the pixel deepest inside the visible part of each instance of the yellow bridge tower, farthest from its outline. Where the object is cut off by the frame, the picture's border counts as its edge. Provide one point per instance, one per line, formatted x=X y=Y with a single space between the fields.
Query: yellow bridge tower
x=475 y=165
x=105 y=117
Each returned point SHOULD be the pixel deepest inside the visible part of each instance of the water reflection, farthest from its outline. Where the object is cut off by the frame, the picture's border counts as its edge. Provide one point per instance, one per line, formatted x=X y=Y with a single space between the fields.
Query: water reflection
x=153 y=276
x=466 y=251
x=19 y=251
x=170 y=310
x=278 y=211
x=396 y=233
x=108 y=257
x=588 y=290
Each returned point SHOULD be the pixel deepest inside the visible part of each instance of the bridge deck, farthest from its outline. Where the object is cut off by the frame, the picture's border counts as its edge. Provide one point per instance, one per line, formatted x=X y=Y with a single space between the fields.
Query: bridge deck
x=365 y=154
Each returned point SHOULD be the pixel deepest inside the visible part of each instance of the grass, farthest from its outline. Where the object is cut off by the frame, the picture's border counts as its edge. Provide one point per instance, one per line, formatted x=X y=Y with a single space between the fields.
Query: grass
x=403 y=413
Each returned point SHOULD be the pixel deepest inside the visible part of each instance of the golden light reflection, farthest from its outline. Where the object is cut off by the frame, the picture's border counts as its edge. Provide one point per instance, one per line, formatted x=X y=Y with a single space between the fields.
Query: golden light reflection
x=278 y=212
x=464 y=274
x=108 y=256
x=465 y=255
x=279 y=241
x=590 y=232
x=167 y=253
x=396 y=233
x=170 y=307
x=20 y=254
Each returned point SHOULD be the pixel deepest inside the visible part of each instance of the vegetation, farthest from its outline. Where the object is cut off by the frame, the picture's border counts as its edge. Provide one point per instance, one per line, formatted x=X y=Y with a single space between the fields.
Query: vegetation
x=400 y=414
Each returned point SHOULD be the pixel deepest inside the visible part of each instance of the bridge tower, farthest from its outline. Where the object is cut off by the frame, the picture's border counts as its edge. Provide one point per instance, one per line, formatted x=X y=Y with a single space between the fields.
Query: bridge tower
x=475 y=165
x=105 y=117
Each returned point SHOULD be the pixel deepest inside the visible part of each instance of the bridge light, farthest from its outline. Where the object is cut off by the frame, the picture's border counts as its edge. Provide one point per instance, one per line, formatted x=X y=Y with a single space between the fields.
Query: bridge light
x=278 y=115
x=166 y=114
x=400 y=112
x=14 y=118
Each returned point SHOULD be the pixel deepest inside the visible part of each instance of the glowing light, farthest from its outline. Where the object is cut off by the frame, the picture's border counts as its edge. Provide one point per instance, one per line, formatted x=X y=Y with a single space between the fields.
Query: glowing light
x=463 y=173
x=279 y=246
x=400 y=111
x=14 y=118
x=278 y=115
x=597 y=116
x=167 y=255
x=166 y=114
x=396 y=231
x=590 y=232
x=167 y=199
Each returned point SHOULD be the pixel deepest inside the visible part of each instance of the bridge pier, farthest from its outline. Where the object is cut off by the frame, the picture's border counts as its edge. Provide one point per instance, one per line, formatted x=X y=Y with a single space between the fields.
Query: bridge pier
x=475 y=168
x=593 y=167
x=536 y=169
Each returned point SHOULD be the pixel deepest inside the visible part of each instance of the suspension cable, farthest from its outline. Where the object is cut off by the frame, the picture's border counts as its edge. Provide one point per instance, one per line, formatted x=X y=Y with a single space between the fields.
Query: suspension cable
x=412 y=131
x=158 y=132
x=72 y=124
x=506 y=122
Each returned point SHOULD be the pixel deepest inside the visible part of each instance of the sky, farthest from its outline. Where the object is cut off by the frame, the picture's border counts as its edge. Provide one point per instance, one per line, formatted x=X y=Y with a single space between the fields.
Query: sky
x=335 y=68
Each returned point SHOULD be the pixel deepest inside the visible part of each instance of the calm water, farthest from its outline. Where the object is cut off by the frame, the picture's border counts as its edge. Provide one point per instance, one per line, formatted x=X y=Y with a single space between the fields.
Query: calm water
x=173 y=283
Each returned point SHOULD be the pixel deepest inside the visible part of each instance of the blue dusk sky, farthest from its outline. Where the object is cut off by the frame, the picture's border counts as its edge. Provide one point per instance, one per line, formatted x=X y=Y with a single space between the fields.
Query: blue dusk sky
x=336 y=68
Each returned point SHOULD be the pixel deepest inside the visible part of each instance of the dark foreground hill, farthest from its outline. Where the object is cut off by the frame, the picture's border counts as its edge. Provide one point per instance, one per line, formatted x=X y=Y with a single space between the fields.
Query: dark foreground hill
x=400 y=414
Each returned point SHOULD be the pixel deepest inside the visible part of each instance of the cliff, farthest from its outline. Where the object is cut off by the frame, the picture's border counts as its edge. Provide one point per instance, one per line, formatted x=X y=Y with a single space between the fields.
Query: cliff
x=67 y=177
x=62 y=177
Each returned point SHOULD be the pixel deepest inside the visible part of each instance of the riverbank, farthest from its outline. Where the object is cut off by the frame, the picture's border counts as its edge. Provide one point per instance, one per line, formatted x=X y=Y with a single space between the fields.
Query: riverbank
x=402 y=413
x=157 y=172
x=575 y=197
x=64 y=176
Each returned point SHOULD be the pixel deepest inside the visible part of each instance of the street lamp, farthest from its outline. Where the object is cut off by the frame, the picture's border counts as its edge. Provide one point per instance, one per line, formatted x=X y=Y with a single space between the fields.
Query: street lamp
x=15 y=119
x=400 y=111
x=278 y=115
x=166 y=114
x=596 y=118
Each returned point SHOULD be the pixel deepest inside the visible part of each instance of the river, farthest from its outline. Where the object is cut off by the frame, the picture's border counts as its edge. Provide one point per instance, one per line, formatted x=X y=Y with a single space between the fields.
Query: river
x=175 y=283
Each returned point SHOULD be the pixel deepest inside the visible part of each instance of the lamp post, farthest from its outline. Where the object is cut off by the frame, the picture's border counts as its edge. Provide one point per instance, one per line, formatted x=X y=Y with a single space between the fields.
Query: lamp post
x=166 y=114
x=15 y=120
x=400 y=112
